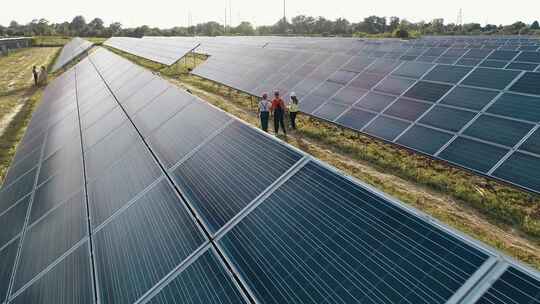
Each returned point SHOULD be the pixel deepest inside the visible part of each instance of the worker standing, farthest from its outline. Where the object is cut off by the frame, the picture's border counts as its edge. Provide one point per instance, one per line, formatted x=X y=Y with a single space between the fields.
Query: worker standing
x=278 y=110
x=293 y=110
x=35 y=73
x=264 y=111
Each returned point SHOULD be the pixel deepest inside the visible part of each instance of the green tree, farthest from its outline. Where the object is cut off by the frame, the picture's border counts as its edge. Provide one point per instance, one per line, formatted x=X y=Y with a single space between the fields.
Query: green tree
x=244 y=28
x=78 y=25
x=535 y=26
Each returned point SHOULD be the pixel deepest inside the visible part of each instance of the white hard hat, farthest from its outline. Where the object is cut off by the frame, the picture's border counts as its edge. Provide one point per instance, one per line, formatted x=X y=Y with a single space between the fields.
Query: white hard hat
x=293 y=94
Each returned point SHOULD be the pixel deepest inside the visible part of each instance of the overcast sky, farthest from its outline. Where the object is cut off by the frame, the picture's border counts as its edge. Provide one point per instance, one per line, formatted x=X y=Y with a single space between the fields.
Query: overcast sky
x=169 y=13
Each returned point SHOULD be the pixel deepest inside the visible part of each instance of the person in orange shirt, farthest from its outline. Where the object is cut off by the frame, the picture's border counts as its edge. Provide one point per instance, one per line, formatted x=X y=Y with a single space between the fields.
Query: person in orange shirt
x=278 y=109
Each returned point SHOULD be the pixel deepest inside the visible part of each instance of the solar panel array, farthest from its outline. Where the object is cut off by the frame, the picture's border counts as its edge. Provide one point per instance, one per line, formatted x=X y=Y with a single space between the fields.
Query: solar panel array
x=71 y=50
x=113 y=199
x=477 y=108
x=164 y=51
x=7 y=44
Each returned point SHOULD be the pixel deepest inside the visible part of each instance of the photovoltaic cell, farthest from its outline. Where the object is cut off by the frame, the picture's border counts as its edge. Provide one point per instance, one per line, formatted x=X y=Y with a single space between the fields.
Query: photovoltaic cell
x=175 y=138
x=424 y=139
x=502 y=131
x=12 y=221
x=68 y=282
x=231 y=170
x=447 y=73
x=428 y=91
x=517 y=106
x=343 y=245
x=472 y=154
x=386 y=128
x=135 y=171
x=528 y=84
x=143 y=244
x=7 y=261
x=514 y=286
x=355 y=119
x=470 y=98
x=522 y=169
x=447 y=118
x=394 y=85
x=532 y=144
x=203 y=282
x=407 y=109
x=52 y=236
x=375 y=102
x=490 y=78
x=412 y=69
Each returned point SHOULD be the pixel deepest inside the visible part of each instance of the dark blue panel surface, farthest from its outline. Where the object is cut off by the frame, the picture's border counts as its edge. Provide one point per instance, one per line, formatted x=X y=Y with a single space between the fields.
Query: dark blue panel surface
x=472 y=154
x=7 y=260
x=204 y=282
x=528 y=84
x=355 y=119
x=412 y=69
x=394 y=85
x=386 y=128
x=407 y=109
x=135 y=171
x=52 y=236
x=514 y=286
x=231 y=170
x=532 y=144
x=11 y=194
x=499 y=130
x=143 y=244
x=176 y=138
x=521 y=169
x=428 y=91
x=321 y=239
x=424 y=139
x=490 y=78
x=447 y=73
x=447 y=118
x=12 y=221
x=69 y=282
x=470 y=98
x=375 y=101
x=517 y=106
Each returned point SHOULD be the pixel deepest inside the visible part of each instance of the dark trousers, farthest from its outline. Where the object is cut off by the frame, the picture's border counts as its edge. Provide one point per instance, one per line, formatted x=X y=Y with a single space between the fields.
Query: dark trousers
x=264 y=120
x=293 y=120
x=278 y=121
x=36 y=79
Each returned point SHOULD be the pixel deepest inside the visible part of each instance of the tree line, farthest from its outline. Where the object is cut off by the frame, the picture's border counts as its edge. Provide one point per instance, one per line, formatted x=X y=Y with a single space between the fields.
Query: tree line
x=372 y=26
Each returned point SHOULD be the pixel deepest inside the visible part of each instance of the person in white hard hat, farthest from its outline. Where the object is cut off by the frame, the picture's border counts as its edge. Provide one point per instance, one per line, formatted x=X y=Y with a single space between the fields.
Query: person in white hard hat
x=264 y=111
x=293 y=110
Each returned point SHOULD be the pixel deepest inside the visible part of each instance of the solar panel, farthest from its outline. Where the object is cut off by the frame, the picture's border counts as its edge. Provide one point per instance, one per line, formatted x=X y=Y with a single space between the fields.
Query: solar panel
x=465 y=75
x=223 y=214
x=71 y=50
x=162 y=50
x=513 y=286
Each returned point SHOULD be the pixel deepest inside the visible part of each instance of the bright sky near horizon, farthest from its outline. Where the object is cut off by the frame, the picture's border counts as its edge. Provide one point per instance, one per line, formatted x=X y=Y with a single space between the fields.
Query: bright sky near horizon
x=169 y=13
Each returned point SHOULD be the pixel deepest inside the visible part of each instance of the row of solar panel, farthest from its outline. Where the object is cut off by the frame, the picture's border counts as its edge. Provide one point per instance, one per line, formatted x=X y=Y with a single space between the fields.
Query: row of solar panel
x=70 y=51
x=292 y=230
x=8 y=44
x=168 y=50
x=456 y=113
x=164 y=51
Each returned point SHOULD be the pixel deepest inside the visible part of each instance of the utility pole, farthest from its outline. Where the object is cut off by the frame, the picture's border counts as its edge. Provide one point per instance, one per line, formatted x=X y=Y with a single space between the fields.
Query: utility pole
x=460 y=19
x=230 y=13
x=225 y=30
x=284 y=12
